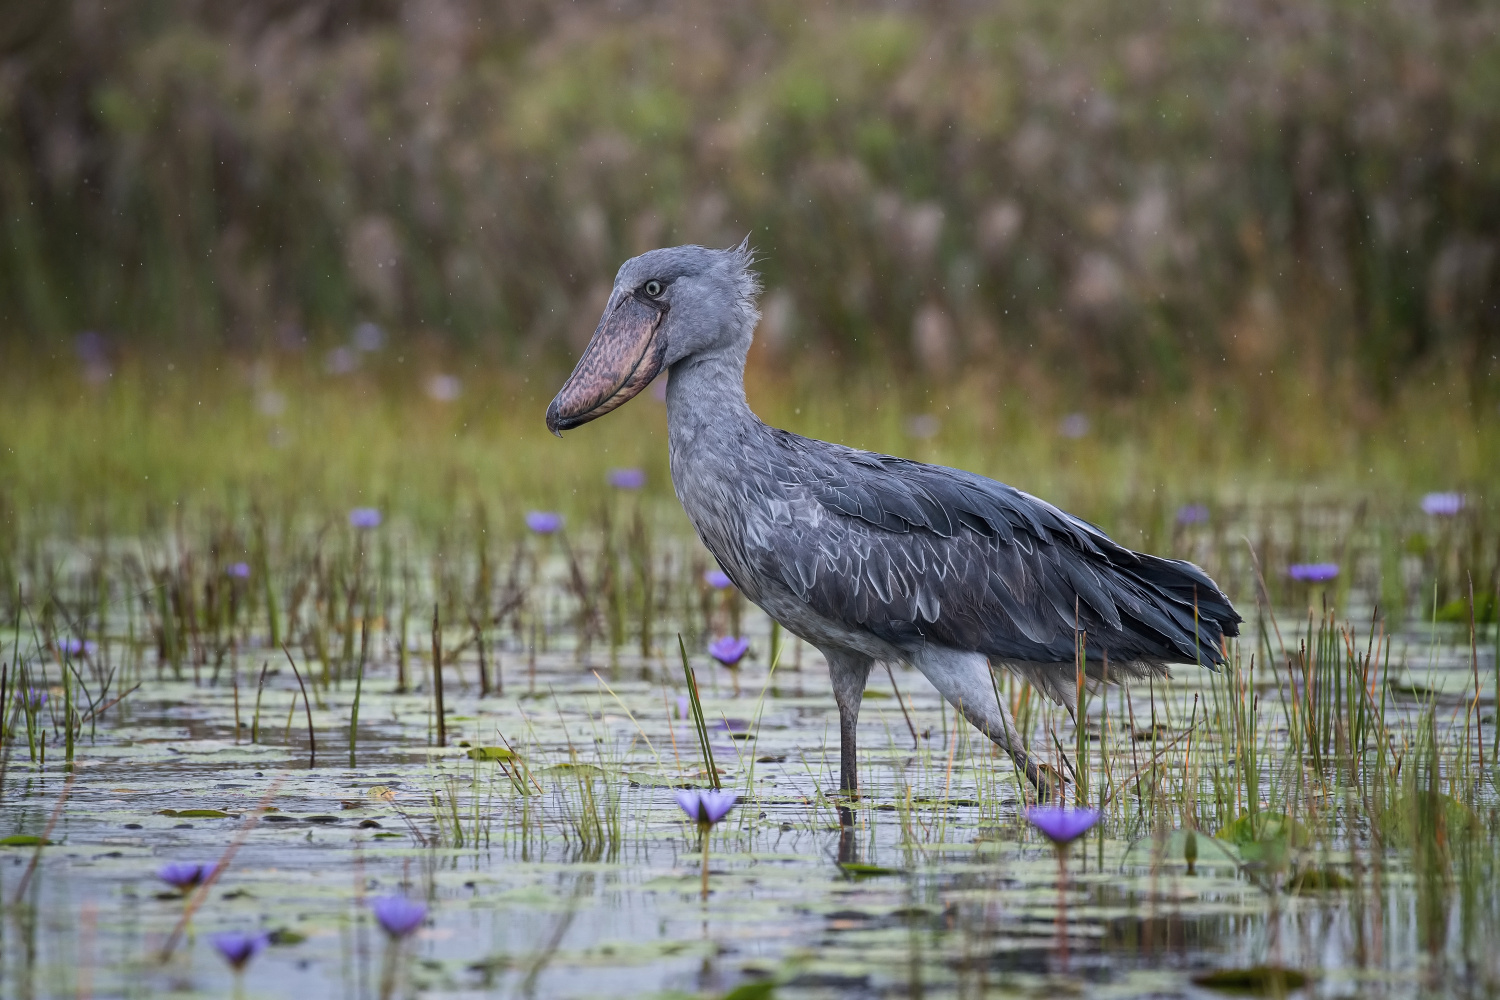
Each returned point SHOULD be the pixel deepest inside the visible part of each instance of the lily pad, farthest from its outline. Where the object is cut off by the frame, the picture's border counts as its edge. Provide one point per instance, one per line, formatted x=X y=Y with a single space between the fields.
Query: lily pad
x=196 y=813
x=1412 y=689
x=492 y=753
x=857 y=870
x=22 y=840
x=1257 y=980
x=1318 y=880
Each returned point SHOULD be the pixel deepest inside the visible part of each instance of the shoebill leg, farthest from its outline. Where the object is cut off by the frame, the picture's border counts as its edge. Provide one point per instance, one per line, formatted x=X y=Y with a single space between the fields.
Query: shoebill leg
x=963 y=678
x=849 y=671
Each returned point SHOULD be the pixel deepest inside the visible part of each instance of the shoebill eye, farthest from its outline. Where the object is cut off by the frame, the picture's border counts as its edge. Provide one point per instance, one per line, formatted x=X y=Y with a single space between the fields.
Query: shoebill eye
x=653 y=288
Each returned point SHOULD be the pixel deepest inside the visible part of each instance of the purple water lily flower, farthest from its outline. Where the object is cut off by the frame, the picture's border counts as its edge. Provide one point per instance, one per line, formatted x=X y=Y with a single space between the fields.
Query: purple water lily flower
x=729 y=650
x=717 y=579
x=682 y=706
x=239 y=570
x=368 y=337
x=705 y=806
x=1313 y=572
x=1192 y=513
x=444 y=388
x=364 y=518
x=1442 y=504
x=397 y=915
x=91 y=347
x=75 y=647
x=1074 y=425
x=1061 y=825
x=184 y=875
x=32 y=698
x=627 y=479
x=544 y=522
x=93 y=351
x=238 y=947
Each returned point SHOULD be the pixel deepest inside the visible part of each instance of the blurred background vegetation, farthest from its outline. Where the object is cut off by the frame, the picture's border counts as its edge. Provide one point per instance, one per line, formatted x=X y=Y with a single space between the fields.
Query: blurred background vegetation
x=1256 y=236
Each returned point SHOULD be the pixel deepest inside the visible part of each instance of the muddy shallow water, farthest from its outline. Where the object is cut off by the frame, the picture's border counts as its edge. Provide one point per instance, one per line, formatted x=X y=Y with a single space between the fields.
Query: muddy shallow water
x=572 y=871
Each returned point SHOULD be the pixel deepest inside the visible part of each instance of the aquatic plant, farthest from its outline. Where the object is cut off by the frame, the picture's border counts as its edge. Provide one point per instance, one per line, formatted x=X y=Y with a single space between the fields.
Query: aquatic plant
x=1313 y=572
x=397 y=915
x=185 y=875
x=239 y=947
x=367 y=337
x=729 y=650
x=1192 y=513
x=1062 y=826
x=1311 y=744
x=73 y=646
x=444 y=388
x=705 y=807
x=695 y=704
x=544 y=522
x=1074 y=425
x=627 y=479
x=364 y=518
x=1442 y=504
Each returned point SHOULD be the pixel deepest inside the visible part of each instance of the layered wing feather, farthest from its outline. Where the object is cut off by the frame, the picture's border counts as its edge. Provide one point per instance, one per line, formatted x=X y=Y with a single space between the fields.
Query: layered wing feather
x=918 y=553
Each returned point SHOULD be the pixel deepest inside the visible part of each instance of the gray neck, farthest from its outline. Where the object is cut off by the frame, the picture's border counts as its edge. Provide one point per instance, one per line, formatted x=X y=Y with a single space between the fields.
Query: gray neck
x=706 y=400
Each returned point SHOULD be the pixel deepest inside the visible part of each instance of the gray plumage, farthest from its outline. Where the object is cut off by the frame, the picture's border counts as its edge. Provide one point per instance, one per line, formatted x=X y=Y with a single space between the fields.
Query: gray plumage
x=874 y=558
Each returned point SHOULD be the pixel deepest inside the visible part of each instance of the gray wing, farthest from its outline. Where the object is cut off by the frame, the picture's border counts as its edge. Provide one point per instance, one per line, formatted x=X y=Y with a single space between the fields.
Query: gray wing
x=918 y=553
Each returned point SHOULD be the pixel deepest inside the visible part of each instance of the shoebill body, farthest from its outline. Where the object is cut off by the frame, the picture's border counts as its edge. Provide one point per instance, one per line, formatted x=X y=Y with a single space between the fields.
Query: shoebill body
x=869 y=557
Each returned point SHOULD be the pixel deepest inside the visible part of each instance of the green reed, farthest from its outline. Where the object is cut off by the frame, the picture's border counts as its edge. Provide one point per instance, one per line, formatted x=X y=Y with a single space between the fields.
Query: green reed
x=696 y=707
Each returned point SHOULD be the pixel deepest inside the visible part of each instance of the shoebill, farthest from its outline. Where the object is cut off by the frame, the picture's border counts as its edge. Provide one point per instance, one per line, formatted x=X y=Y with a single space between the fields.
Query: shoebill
x=872 y=558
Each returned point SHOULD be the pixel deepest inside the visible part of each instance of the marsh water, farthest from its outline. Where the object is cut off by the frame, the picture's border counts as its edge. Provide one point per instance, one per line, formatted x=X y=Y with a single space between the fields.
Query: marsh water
x=545 y=839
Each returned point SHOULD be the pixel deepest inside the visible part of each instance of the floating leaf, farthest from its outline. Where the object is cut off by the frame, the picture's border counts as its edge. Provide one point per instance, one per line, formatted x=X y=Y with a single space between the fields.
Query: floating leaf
x=22 y=840
x=492 y=753
x=389 y=836
x=196 y=813
x=645 y=779
x=1257 y=979
x=1412 y=689
x=1318 y=880
x=857 y=870
x=763 y=989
